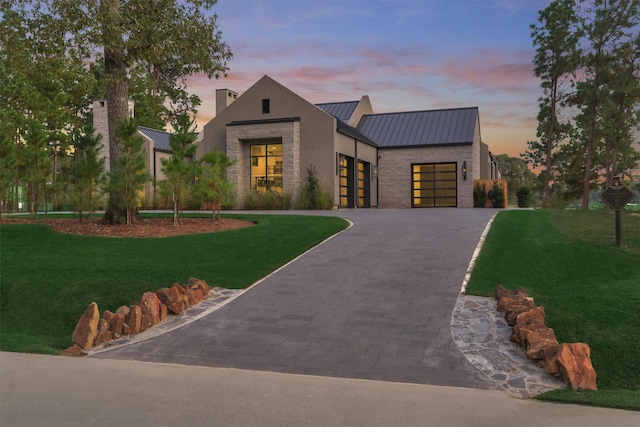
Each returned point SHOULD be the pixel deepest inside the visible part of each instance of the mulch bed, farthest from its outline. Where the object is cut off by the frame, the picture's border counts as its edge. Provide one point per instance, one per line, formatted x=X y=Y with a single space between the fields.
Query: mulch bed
x=147 y=227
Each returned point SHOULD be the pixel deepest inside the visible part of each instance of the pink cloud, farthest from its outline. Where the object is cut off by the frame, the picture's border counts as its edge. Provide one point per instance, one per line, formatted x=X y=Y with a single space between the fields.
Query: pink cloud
x=417 y=77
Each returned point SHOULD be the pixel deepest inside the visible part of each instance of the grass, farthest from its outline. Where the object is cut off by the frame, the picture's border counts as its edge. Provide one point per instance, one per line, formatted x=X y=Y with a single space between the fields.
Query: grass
x=568 y=261
x=47 y=279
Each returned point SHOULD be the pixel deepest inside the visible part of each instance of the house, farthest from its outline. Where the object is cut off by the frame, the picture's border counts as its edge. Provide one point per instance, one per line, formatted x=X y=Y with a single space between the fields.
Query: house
x=391 y=160
x=156 y=147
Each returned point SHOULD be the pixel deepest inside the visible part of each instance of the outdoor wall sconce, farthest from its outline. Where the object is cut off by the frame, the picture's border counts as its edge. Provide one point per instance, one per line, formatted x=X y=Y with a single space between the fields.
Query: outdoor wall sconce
x=339 y=167
x=375 y=172
x=464 y=170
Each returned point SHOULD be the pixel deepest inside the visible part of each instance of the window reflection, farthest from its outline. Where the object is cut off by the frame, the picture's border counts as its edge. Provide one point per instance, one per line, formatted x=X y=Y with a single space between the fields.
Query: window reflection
x=434 y=185
x=266 y=167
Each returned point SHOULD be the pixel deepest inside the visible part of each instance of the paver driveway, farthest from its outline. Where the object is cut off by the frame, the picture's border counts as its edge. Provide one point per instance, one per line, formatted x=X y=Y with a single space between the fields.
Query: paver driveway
x=373 y=302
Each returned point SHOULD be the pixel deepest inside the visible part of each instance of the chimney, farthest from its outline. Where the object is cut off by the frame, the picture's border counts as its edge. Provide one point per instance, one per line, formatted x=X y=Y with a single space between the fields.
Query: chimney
x=101 y=126
x=224 y=97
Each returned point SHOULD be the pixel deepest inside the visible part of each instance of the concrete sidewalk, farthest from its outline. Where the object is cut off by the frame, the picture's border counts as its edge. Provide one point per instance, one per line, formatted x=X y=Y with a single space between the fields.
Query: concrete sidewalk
x=38 y=390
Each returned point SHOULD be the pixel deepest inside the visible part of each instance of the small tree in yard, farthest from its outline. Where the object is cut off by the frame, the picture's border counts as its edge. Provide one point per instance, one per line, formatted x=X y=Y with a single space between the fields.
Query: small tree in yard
x=130 y=174
x=310 y=190
x=213 y=185
x=313 y=195
x=87 y=171
x=37 y=163
x=179 y=171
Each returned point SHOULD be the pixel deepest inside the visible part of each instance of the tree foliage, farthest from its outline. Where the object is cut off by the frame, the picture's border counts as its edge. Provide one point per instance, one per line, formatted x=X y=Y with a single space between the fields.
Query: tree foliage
x=589 y=133
x=43 y=92
x=556 y=40
x=129 y=175
x=213 y=186
x=37 y=165
x=179 y=169
x=87 y=171
x=153 y=45
x=516 y=171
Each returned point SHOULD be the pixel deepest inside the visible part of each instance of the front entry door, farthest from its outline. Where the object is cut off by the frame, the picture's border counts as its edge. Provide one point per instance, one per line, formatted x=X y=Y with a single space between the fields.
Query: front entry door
x=347 y=185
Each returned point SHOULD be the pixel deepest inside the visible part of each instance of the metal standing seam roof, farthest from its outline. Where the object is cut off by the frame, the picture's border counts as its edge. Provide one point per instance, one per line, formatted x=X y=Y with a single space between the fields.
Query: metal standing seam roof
x=343 y=111
x=416 y=128
x=160 y=138
x=340 y=110
x=345 y=129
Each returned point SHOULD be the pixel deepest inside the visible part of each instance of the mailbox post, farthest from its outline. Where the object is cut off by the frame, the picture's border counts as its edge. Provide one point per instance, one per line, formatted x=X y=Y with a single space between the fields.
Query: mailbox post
x=617 y=195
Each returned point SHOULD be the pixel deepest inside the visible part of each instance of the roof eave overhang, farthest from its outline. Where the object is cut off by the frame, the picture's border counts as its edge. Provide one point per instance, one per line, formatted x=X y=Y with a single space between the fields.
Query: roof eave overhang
x=447 y=144
x=263 y=121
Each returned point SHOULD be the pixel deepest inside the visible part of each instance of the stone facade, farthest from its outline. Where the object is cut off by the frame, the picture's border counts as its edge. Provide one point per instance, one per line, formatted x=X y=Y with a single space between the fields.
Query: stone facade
x=239 y=138
x=394 y=172
x=101 y=126
x=317 y=135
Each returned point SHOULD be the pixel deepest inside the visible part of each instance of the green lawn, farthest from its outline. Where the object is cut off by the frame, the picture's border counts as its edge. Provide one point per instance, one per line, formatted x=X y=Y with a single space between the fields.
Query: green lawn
x=568 y=261
x=47 y=279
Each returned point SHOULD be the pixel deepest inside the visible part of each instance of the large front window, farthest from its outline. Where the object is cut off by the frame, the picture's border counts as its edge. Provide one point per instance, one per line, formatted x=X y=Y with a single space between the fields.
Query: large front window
x=266 y=167
x=434 y=185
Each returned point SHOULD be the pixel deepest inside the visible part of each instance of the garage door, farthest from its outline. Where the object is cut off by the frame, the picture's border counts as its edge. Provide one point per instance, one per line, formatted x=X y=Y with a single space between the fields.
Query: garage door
x=434 y=185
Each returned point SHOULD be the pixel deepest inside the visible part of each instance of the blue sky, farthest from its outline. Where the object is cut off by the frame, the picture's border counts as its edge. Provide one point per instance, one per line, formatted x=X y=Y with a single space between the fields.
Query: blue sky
x=405 y=54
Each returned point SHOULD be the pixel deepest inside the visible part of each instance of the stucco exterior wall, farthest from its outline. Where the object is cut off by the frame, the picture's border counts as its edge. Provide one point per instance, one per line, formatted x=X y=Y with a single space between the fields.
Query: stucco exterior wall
x=485 y=162
x=360 y=151
x=153 y=163
x=315 y=132
x=309 y=137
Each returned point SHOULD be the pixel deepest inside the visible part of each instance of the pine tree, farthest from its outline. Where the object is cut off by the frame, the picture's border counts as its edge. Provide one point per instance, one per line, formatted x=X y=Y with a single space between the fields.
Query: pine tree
x=213 y=185
x=610 y=27
x=179 y=168
x=557 y=55
x=129 y=175
x=87 y=171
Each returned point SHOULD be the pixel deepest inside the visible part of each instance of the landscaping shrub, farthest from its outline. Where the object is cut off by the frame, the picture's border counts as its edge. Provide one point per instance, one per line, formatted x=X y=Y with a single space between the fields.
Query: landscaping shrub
x=524 y=196
x=270 y=200
x=479 y=195
x=312 y=193
x=498 y=196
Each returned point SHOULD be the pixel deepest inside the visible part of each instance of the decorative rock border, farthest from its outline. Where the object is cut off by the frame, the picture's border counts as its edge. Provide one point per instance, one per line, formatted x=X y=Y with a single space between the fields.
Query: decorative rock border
x=482 y=336
x=570 y=361
x=92 y=330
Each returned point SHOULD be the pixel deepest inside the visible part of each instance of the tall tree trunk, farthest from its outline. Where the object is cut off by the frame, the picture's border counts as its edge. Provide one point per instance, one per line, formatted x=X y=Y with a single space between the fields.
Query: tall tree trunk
x=586 y=187
x=550 y=138
x=117 y=94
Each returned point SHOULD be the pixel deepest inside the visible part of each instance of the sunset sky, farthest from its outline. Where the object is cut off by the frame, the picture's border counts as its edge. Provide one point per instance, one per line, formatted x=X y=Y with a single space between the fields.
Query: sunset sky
x=406 y=55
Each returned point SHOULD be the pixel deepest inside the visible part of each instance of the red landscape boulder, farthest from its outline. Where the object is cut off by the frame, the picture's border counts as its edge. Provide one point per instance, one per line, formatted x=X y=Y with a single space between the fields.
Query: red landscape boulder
x=574 y=361
x=103 y=334
x=75 y=350
x=540 y=343
x=123 y=311
x=134 y=319
x=516 y=307
x=172 y=298
x=116 y=322
x=194 y=283
x=526 y=322
x=195 y=296
x=87 y=328
x=504 y=296
x=150 y=304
